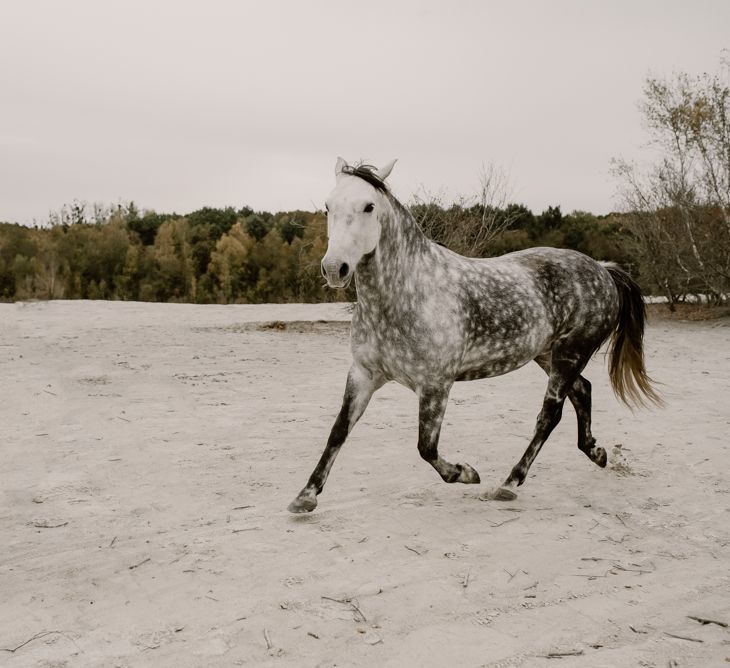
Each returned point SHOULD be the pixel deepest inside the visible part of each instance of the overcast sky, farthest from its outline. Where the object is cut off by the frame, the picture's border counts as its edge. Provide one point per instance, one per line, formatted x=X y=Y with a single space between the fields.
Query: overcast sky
x=178 y=105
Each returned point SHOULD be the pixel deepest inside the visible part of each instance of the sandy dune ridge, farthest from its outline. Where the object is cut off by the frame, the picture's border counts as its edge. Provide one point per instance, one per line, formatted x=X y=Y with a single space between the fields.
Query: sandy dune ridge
x=149 y=451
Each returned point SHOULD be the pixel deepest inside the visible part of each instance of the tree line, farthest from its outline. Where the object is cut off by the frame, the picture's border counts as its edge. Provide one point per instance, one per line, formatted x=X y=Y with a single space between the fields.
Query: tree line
x=242 y=256
x=232 y=255
x=673 y=232
x=207 y=256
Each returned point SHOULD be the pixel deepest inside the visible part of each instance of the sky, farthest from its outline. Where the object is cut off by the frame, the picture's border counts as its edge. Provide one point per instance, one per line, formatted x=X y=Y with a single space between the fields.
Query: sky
x=177 y=105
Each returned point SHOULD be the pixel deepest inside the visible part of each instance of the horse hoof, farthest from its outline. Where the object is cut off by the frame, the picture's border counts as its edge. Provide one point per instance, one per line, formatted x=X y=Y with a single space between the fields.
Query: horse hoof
x=303 y=504
x=499 y=494
x=598 y=455
x=504 y=494
x=468 y=475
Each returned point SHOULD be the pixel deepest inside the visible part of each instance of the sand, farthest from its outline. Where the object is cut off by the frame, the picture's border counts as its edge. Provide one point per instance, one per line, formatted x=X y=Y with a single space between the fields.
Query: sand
x=149 y=451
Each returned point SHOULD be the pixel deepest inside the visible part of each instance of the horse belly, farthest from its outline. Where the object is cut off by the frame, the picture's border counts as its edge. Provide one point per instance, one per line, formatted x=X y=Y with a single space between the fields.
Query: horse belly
x=492 y=368
x=497 y=357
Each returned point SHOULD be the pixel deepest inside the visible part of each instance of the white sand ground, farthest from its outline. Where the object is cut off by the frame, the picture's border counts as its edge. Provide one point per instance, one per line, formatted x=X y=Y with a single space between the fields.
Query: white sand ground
x=148 y=453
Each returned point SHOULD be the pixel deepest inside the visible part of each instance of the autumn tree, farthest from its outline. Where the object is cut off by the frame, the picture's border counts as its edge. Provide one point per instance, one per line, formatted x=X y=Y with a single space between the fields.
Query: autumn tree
x=175 y=280
x=229 y=265
x=678 y=208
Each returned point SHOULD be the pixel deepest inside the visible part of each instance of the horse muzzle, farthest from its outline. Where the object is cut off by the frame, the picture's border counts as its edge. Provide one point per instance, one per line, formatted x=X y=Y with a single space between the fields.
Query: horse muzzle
x=337 y=273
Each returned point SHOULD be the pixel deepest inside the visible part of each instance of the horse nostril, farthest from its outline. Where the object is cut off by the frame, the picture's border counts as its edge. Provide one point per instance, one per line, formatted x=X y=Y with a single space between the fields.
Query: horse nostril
x=344 y=269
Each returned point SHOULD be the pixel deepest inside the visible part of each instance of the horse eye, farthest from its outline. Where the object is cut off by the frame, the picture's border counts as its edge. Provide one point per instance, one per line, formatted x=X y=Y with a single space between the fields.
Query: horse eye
x=369 y=207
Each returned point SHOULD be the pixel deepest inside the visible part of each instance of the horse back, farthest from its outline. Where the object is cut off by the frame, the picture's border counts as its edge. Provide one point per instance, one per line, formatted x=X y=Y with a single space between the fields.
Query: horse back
x=518 y=305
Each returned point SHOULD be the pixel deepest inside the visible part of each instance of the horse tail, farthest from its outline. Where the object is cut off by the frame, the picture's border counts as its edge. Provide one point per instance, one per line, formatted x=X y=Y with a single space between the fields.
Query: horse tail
x=626 y=367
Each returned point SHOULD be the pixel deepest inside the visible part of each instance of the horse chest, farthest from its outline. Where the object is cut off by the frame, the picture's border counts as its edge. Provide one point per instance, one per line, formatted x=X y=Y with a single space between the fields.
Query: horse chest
x=410 y=354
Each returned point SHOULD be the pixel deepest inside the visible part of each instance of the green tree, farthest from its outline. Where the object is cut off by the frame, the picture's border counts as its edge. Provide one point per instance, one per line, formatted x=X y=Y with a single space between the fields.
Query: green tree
x=48 y=265
x=229 y=267
x=15 y=240
x=173 y=260
x=145 y=228
x=257 y=226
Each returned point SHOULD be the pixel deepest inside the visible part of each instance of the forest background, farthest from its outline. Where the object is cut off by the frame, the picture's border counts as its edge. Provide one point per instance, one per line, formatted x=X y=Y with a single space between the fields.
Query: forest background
x=672 y=231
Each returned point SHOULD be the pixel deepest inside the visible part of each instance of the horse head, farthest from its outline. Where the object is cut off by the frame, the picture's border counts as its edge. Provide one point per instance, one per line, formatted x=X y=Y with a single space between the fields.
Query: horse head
x=354 y=209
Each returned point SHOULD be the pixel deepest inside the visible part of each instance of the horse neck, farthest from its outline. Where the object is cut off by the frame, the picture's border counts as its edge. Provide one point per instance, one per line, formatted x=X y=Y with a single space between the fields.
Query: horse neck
x=382 y=279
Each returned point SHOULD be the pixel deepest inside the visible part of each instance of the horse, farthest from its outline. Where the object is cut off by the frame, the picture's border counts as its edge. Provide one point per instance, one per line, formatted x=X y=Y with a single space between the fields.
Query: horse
x=427 y=317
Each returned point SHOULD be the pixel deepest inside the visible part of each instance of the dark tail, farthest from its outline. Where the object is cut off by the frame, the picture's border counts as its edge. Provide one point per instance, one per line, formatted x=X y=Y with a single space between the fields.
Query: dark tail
x=626 y=355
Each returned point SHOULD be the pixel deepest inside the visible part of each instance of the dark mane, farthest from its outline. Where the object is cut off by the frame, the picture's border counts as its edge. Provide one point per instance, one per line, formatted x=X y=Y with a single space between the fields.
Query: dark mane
x=367 y=173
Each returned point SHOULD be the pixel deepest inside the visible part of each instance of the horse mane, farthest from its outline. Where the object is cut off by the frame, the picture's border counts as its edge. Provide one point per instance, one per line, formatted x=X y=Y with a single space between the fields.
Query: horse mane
x=367 y=173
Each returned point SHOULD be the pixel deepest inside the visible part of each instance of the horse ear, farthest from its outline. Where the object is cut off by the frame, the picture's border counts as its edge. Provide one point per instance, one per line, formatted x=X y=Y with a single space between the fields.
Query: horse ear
x=385 y=171
x=341 y=164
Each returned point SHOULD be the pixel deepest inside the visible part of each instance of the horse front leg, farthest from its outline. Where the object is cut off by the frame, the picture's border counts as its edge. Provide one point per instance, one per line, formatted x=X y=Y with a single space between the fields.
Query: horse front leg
x=361 y=385
x=431 y=408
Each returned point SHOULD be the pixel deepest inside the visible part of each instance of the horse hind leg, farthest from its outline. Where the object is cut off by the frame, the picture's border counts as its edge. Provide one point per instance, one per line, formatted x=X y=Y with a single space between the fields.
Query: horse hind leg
x=431 y=408
x=563 y=372
x=580 y=396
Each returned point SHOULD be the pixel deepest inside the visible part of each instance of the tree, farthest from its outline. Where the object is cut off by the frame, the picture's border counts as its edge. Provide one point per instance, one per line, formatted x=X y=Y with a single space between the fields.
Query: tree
x=218 y=221
x=48 y=266
x=471 y=224
x=229 y=264
x=257 y=226
x=146 y=227
x=173 y=258
x=309 y=251
x=275 y=268
x=15 y=241
x=678 y=208
x=290 y=225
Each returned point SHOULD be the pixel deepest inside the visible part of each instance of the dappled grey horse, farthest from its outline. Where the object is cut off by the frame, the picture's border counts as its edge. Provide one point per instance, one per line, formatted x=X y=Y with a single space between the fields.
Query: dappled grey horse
x=426 y=317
